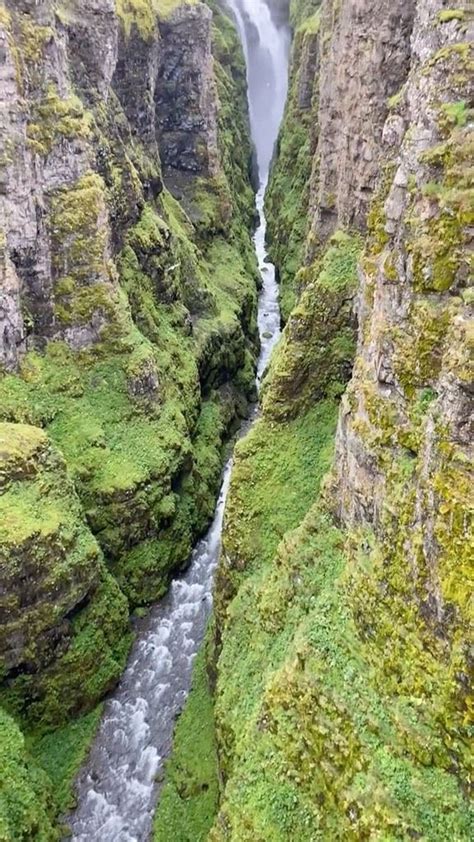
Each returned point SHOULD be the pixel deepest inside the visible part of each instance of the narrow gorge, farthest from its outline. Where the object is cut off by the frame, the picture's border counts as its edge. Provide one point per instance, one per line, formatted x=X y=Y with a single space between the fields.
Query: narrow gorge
x=236 y=551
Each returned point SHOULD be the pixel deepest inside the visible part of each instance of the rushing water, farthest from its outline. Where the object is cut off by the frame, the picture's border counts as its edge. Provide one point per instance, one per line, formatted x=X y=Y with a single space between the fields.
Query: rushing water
x=119 y=786
x=266 y=48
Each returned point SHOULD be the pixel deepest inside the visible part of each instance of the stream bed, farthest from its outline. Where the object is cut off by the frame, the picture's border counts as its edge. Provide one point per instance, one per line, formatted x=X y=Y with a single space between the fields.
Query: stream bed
x=118 y=788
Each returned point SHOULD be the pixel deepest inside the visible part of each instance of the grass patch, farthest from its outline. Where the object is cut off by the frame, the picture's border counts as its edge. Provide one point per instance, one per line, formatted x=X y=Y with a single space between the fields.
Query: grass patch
x=189 y=799
x=62 y=752
x=27 y=808
x=276 y=462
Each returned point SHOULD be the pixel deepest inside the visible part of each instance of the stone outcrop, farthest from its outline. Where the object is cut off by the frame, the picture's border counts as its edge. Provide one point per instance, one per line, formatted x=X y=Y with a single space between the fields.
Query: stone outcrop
x=365 y=54
x=414 y=300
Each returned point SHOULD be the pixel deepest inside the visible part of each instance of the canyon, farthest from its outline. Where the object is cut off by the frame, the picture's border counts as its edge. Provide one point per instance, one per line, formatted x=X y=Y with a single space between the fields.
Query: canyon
x=270 y=640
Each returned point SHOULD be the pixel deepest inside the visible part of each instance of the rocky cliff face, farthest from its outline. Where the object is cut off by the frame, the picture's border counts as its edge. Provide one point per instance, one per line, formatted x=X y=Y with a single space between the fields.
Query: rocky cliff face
x=287 y=197
x=346 y=616
x=127 y=322
x=186 y=94
x=364 y=62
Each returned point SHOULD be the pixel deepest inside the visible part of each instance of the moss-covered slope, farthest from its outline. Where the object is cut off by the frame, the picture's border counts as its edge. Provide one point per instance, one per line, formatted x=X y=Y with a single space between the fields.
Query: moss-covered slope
x=127 y=332
x=130 y=327
x=64 y=620
x=344 y=616
x=26 y=803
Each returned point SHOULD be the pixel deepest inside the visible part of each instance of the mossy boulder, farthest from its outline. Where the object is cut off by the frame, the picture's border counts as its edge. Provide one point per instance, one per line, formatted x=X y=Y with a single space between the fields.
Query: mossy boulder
x=50 y=665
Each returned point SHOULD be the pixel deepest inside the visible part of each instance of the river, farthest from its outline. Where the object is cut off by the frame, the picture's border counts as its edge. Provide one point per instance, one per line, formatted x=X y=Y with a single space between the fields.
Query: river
x=118 y=788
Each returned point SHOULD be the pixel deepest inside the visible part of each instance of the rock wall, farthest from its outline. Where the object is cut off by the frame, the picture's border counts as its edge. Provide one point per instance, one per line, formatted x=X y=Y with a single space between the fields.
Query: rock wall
x=344 y=71
x=127 y=344
x=365 y=54
x=288 y=194
x=343 y=613
x=186 y=100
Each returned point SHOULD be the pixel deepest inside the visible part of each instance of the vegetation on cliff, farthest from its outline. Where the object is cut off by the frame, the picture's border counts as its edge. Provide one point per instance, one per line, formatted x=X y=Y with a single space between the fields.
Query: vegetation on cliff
x=26 y=799
x=333 y=700
x=343 y=709
x=130 y=341
x=287 y=198
x=263 y=594
x=190 y=797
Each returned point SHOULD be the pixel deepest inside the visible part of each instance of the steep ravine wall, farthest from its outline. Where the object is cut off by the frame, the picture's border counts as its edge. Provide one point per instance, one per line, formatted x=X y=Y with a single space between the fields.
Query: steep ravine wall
x=343 y=612
x=127 y=340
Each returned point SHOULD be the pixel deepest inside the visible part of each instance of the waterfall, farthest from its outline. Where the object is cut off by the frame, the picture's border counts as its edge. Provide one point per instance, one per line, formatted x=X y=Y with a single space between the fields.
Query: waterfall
x=266 y=47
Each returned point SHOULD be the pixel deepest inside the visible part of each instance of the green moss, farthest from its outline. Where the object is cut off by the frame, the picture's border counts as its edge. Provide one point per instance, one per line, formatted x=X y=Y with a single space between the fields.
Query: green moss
x=123 y=454
x=137 y=13
x=337 y=704
x=44 y=538
x=62 y=752
x=20 y=445
x=315 y=355
x=394 y=101
x=302 y=12
x=376 y=218
x=33 y=40
x=78 y=238
x=438 y=243
x=94 y=662
x=26 y=804
x=189 y=800
x=312 y=24
x=419 y=349
x=455 y=114
x=55 y=118
x=447 y=15
x=262 y=477
x=287 y=197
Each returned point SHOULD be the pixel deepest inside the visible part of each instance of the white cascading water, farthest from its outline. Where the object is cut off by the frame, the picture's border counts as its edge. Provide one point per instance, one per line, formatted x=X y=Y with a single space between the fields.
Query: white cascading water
x=118 y=788
x=266 y=48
